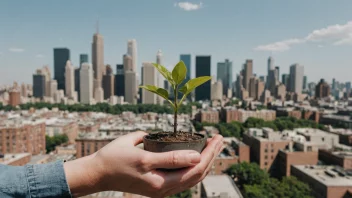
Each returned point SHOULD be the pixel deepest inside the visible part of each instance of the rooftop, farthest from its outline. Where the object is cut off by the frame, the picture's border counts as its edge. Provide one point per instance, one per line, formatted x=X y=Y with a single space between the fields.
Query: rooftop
x=11 y=157
x=220 y=186
x=327 y=175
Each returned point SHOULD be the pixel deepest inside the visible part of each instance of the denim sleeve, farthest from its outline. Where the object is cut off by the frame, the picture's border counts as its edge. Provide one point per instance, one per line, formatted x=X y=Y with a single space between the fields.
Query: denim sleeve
x=33 y=181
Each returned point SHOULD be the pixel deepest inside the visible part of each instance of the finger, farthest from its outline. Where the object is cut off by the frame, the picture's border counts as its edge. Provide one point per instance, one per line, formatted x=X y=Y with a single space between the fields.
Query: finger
x=134 y=138
x=173 y=159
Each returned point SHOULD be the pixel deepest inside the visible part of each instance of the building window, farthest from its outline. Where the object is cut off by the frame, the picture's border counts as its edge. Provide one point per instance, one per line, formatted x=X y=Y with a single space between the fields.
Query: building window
x=323 y=139
x=266 y=150
x=266 y=157
x=309 y=148
x=265 y=163
x=272 y=150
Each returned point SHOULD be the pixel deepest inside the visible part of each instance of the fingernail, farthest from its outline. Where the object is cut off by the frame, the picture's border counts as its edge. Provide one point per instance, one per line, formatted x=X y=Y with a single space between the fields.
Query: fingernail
x=194 y=157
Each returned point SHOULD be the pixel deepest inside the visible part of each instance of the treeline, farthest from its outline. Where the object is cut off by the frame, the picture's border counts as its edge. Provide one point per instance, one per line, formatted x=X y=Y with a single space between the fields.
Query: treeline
x=52 y=142
x=105 y=107
x=236 y=129
x=256 y=183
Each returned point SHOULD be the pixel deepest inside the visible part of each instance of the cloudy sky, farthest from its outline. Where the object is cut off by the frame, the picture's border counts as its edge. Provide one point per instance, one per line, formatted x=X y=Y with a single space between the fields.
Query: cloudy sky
x=316 y=33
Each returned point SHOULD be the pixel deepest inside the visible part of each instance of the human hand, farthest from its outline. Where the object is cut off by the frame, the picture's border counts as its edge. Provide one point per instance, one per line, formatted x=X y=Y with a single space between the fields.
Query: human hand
x=120 y=166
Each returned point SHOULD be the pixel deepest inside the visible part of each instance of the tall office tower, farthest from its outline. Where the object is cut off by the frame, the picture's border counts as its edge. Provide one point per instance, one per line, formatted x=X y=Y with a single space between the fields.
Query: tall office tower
x=305 y=82
x=99 y=95
x=224 y=73
x=203 y=68
x=131 y=91
x=248 y=73
x=120 y=80
x=69 y=80
x=24 y=92
x=98 y=58
x=61 y=56
x=38 y=85
x=322 y=89
x=334 y=84
x=149 y=77
x=252 y=87
x=127 y=63
x=296 y=78
x=280 y=91
x=272 y=81
x=86 y=83
x=348 y=87
x=83 y=58
x=132 y=52
x=216 y=90
x=186 y=58
x=52 y=88
x=277 y=73
x=239 y=85
x=77 y=79
x=46 y=72
x=259 y=89
x=159 y=78
x=270 y=64
x=108 y=82
x=286 y=80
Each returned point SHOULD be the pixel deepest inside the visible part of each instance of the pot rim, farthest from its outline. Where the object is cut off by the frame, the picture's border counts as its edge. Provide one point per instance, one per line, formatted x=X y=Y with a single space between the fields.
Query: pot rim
x=203 y=137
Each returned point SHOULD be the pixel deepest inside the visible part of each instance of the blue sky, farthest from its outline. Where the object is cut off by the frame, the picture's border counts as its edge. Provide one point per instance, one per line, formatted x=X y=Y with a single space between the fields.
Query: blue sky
x=314 y=33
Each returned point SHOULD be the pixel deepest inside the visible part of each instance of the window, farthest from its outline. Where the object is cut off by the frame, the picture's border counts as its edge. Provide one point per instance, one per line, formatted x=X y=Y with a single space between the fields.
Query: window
x=272 y=157
x=309 y=148
x=220 y=163
x=323 y=139
x=265 y=163
x=272 y=150
x=266 y=150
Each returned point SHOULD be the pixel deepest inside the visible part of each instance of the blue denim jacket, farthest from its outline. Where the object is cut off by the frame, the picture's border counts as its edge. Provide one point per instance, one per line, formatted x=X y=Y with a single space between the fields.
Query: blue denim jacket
x=32 y=181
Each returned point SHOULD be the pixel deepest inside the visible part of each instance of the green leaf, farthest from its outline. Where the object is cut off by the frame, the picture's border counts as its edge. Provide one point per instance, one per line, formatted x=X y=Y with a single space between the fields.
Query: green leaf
x=193 y=83
x=159 y=91
x=179 y=72
x=166 y=73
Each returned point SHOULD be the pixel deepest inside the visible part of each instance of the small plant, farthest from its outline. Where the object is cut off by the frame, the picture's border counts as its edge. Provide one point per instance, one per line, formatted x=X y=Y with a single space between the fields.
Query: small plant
x=175 y=78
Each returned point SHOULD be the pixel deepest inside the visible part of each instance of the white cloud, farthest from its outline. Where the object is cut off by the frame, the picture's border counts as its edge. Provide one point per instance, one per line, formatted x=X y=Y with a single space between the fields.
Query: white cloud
x=335 y=34
x=187 y=6
x=39 y=56
x=279 y=46
x=14 y=49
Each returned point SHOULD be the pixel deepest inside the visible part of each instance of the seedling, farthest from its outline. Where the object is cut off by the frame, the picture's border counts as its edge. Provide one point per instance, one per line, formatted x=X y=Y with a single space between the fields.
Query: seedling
x=175 y=78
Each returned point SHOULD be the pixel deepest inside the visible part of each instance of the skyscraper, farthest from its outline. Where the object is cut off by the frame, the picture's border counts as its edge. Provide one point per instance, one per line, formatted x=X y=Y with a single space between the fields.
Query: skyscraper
x=216 y=90
x=203 y=68
x=296 y=78
x=46 y=72
x=120 y=80
x=225 y=74
x=83 y=58
x=69 y=80
x=131 y=91
x=98 y=58
x=52 y=88
x=270 y=64
x=322 y=89
x=252 y=87
x=61 y=55
x=277 y=73
x=132 y=52
x=285 y=80
x=77 y=80
x=159 y=77
x=108 y=83
x=38 y=85
x=149 y=78
x=86 y=83
x=248 y=73
x=127 y=63
x=305 y=82
x=186 y=58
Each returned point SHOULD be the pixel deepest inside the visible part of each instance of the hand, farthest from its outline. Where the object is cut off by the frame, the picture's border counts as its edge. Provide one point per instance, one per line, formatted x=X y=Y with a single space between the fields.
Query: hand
x=120 y=166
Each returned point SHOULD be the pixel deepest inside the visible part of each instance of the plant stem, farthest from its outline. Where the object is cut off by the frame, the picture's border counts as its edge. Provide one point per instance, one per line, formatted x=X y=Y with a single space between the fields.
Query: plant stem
x=176 y=107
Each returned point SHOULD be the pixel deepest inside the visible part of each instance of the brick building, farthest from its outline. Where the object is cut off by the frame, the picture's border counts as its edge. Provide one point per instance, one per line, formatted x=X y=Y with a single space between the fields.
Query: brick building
x=340 y=158
x=15 y=98
x=325 y=181
x=230 y=114
x=208 y=116
x=67 y=127
x=22 y=136
x=345 y=135
x=17 y=159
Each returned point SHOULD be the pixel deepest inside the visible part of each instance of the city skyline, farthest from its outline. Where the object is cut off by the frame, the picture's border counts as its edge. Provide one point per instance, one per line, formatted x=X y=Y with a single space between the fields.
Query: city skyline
x=287 y=39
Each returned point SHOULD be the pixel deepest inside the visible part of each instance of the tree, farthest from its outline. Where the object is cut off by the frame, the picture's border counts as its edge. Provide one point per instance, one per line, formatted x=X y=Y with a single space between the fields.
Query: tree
x=52 y=142
x=185 y=194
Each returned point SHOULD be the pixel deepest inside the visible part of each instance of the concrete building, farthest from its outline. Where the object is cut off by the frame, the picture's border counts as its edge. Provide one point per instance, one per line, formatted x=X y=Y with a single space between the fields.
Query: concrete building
x=18 y=136
x=286 y=80
x=86 y=84
x=280 y=91
x=15 y=159
x=77 y=80
x=132 y=52
x=38 y=85
x=52 y=88
x=149 y=73
x=98 y=58
x=340 y=120
x=127 y=63
x=270 y=65
x=252 y=87
x=296 y=78
x=203 y=68
x=217 y=90
x=131 y=91
x=99 y=95
x=325 y=181
x=345 y=135
x=24 y=91
x=61 y=56
x=69 y=80
x=120 y=80
x=322 y=90
x=248 y=73
x=224 y=73
x=335 y=157
x=214 y=186
x=108 y=83
x=15 y=98
x=59 y=127
x=208 y=116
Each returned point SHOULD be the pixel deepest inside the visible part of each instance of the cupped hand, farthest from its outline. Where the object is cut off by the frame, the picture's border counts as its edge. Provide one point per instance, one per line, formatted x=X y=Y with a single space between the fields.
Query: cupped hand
x=121 y=166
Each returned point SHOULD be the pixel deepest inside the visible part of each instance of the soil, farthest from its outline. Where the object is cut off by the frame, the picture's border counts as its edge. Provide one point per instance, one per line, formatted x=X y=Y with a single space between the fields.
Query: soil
x=170 y=137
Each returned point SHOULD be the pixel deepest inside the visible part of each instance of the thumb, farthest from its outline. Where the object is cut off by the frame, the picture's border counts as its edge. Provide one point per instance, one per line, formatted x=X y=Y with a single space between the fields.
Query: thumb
x=173 y=159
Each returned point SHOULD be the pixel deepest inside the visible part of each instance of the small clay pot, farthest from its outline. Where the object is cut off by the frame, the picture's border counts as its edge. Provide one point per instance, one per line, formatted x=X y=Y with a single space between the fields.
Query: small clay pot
x=158 y=146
